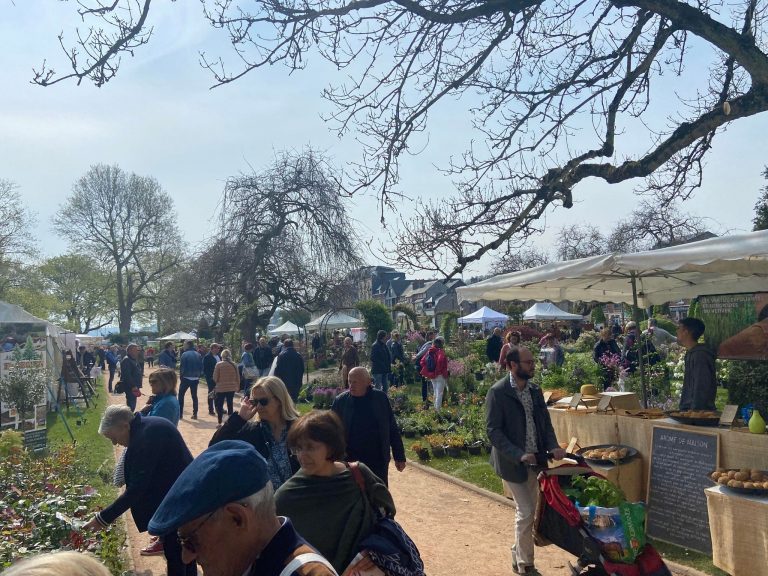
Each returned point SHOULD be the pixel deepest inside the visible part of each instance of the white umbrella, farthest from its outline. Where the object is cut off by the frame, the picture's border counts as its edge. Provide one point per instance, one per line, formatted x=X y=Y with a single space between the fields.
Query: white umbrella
x=179 y=336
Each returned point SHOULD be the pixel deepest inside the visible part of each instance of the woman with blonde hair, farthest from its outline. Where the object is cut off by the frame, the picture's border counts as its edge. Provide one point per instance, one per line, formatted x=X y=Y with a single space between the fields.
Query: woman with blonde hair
x=227 y=379
x=67 y=563
x=274 y=410
x=163 y=400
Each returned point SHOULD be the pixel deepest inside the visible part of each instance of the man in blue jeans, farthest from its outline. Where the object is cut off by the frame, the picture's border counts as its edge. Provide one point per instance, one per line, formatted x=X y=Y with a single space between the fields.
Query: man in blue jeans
x=191 y=369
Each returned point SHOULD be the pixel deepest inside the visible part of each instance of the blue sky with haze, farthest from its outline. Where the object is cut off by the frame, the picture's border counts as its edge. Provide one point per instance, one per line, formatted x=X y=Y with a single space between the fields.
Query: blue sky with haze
x=158 y=117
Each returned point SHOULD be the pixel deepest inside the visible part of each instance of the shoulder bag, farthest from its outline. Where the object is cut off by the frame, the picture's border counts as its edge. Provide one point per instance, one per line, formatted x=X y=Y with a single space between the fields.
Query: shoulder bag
x=388 y=546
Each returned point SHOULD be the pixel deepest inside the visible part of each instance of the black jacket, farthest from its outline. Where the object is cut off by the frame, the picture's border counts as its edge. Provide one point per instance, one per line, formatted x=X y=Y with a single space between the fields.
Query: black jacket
x=381 y=361
x=209 y=365
x=397 y=352
x=505 y=419
x=251 y=431
x=155 y=458
x=290 y=369
x=605 y=347
x=385 y=419
x=262 y=357
x=130 y=373
x=493 y=347
x=699 y=382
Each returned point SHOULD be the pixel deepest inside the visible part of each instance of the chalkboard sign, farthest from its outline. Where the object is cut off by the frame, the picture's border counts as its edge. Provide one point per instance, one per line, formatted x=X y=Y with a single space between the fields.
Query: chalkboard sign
x=677 y=507
x=36 y=440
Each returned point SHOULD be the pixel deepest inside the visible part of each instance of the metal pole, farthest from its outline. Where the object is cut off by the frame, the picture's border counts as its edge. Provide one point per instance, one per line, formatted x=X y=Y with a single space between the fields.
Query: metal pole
x=637 y=320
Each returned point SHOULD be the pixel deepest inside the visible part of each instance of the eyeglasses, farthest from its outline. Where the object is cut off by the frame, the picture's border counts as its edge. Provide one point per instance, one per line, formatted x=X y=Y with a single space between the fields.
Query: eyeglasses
x=260 y=401
x=297 y=450
x=188 y=542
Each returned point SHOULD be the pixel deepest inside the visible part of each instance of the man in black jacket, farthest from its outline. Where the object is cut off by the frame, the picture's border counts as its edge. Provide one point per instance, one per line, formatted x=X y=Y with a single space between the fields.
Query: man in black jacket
x=699 y=381
x=494 y=345
x=155 y=457
x=209 y=365
x=263 y=357
x=381 y=362
x=130 y=375
x=521 y=434
x=370 y=425
x=290 y=369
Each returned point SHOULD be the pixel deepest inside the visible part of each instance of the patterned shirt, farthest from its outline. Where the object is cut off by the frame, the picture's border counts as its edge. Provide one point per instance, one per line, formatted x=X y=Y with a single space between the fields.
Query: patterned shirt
x=524 y=395
x=278 y=463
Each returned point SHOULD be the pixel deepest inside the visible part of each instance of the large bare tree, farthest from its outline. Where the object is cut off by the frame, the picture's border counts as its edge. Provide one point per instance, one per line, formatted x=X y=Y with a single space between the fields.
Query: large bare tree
x=127 y=222
x=16 y=243
x=544 y=70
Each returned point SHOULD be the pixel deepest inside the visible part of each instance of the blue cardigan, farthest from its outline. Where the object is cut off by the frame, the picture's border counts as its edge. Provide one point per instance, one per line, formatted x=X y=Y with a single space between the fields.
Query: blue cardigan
x=166 y=406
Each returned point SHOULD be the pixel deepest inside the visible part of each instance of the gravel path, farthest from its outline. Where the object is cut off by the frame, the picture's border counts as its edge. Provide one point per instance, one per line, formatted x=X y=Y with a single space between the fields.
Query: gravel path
x=457 y=530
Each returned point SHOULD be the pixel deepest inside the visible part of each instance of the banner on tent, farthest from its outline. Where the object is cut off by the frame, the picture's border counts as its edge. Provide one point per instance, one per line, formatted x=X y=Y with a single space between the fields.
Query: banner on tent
x=736 y=325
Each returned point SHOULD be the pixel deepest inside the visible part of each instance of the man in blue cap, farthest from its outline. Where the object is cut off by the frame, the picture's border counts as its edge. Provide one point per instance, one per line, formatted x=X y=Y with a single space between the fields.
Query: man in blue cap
x=222 y=508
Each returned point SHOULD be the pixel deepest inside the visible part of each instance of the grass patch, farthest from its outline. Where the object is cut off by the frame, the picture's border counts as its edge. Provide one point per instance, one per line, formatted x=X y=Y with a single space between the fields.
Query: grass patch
x=472 y=469
x=686 y=557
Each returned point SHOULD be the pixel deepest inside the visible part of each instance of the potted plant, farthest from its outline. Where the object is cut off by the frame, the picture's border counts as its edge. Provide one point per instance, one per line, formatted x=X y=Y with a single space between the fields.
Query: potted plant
x=437 y=445
x=454 y=445
x=421 y=451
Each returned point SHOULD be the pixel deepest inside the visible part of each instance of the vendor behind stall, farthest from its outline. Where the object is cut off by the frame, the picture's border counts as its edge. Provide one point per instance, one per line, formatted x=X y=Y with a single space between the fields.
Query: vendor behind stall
x=699 y=383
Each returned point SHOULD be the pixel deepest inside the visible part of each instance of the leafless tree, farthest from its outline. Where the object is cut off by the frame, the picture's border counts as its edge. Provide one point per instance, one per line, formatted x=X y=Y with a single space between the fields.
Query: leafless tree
x=16 y=243
x=545 y=70
x=522 y=259
x=285 y=241
x=579 y=241
x=128 y=221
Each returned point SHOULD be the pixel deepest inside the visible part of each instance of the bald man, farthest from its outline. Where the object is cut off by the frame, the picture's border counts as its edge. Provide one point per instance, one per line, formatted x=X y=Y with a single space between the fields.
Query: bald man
x=370 y=425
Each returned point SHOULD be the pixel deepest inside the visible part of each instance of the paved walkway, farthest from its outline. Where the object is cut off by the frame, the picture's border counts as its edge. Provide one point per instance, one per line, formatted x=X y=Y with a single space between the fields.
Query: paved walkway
x=457 y=530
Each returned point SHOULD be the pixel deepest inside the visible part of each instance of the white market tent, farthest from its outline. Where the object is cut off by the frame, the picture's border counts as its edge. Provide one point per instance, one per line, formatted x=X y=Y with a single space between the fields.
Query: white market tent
x=179 y=336
x=286 y=328
x=485 y=316
x=334 y=321
x=725 y=265
x=548 y=311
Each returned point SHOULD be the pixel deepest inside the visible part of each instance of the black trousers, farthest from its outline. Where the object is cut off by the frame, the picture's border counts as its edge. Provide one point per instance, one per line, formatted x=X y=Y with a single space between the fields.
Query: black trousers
x=211 y=385
x=130 y=400
x=174 y=566
x=220 y=397
x=190 y=385
x=112 y=370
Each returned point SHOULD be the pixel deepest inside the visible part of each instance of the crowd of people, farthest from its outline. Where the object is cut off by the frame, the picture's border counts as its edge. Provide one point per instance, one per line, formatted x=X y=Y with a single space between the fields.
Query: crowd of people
x=278 y=493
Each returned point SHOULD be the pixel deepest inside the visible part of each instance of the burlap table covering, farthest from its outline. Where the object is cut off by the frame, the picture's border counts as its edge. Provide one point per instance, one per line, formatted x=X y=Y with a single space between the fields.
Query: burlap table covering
x=739 y=528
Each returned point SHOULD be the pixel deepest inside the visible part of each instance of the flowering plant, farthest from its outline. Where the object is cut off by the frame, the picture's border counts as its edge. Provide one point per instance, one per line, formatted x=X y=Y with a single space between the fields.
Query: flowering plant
x=456 y=368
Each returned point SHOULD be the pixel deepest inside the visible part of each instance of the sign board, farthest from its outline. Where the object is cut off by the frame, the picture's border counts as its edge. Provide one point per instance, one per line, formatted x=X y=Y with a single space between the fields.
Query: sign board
x=681 y=461
x=736 y=325
x=547 y=396
x=605 y=404
x=728 y=415
x=36 y=440
x=575 y=400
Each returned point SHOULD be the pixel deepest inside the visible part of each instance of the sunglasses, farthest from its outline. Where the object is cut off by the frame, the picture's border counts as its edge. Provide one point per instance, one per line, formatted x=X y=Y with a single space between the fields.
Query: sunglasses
x=259 y=401
x=189 y=542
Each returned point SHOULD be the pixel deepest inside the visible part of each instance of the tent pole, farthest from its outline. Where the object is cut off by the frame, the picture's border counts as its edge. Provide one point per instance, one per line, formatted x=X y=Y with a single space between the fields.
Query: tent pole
x=638 y=319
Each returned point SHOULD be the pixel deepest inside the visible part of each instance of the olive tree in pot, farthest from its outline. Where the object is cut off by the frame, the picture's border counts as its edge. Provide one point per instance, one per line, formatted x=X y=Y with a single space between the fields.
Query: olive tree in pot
x=23 y=386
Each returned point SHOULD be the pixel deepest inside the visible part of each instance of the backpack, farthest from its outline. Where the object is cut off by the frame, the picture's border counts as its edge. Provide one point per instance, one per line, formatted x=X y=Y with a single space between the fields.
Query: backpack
x=429 y=363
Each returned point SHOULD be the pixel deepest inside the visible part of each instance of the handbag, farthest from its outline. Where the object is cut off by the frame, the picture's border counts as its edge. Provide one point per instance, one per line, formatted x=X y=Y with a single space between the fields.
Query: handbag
x=388 y=545
x=250 y=372
x=120 y=387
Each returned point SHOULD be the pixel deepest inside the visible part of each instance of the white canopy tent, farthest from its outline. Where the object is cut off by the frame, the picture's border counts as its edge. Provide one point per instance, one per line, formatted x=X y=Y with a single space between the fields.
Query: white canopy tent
x=287 y=328
x=485 y=316
x=334 y=321
x=179 y=336
x=548 y=311
x=729 y=264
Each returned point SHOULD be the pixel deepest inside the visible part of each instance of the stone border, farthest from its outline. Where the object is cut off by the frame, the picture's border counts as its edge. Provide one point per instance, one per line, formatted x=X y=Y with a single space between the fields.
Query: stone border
x=678 y=569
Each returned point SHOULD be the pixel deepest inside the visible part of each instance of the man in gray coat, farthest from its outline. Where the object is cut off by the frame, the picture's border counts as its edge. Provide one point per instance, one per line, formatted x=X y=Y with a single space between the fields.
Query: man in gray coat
x=521 y=435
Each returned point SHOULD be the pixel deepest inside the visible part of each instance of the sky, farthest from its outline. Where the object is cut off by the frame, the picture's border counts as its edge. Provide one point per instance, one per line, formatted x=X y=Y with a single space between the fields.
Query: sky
x=159 y=117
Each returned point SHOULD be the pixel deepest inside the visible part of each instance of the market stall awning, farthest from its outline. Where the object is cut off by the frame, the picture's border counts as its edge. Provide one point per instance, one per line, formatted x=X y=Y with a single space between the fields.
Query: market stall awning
x=729 y=264
x=548 y=311
x=484 y=315
x=333 y=321
x=287 y=328
x=179 y=336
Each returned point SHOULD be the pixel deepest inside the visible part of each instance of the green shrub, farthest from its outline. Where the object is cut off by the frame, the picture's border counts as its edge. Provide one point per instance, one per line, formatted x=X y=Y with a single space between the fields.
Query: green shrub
x=662 y=322
x=586 y=341
x=747 y=384
x=580 y=369
x=376 y=317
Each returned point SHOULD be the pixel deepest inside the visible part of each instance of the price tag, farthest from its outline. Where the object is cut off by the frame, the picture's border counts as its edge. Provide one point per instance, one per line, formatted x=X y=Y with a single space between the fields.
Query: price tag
x=575 y=400
x=605 y=404
x=572 y=445
x=729 y=415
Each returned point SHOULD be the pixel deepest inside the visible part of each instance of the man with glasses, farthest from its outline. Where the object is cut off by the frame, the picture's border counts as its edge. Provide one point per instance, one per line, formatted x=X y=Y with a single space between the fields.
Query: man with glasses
x=222 y=510
x=521 y=436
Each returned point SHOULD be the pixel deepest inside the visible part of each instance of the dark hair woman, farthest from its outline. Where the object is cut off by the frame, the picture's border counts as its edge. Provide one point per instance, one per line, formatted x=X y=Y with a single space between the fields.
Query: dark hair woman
x=323 y=500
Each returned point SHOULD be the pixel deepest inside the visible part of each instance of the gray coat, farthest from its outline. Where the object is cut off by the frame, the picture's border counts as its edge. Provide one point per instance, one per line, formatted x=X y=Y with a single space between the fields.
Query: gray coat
x=505 y=417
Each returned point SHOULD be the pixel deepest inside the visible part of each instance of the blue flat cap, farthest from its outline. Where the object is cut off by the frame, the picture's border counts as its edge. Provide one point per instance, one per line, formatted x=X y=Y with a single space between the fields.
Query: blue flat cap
x=226 y=472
